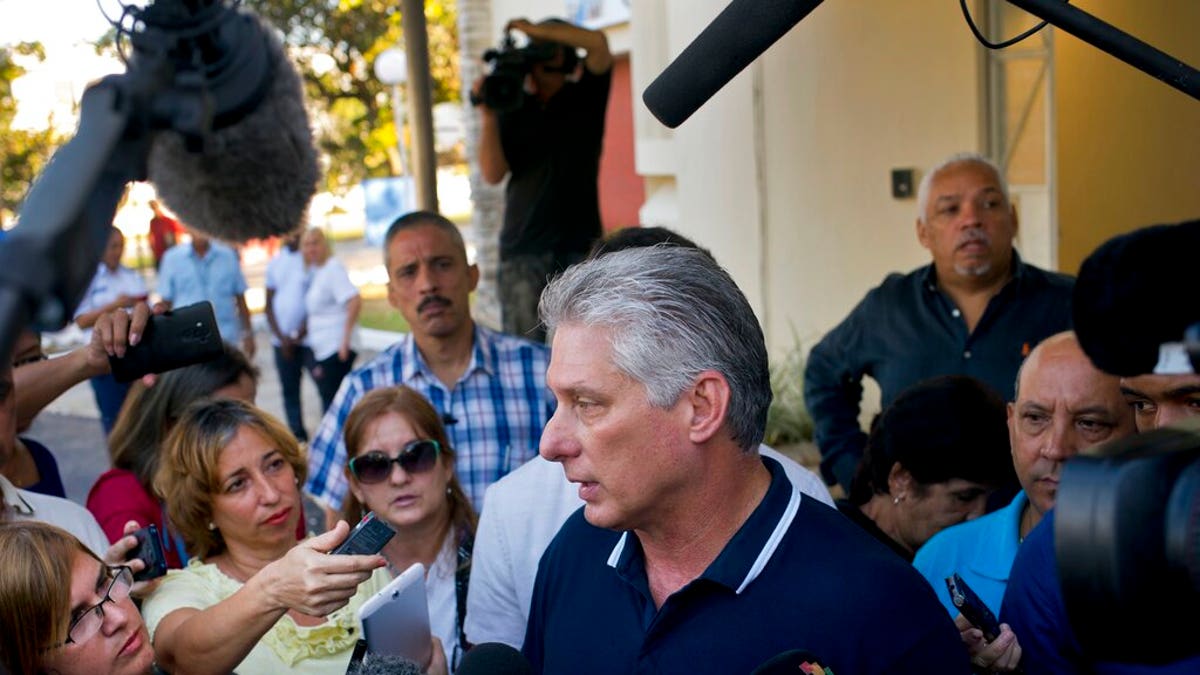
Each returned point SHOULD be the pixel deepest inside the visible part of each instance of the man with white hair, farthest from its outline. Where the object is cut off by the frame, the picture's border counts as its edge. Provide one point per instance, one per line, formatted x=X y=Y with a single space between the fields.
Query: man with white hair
x=976 y=310
x=692 y=551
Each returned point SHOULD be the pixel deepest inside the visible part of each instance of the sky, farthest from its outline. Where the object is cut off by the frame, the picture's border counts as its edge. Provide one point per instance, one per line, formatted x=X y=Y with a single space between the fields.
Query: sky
x=65 y=28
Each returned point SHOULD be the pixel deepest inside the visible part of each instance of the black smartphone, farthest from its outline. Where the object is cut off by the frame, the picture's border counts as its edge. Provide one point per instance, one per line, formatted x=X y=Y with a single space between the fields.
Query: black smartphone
x=972 y=607
x=173 y=339
x=367 y=538
x=150 y=551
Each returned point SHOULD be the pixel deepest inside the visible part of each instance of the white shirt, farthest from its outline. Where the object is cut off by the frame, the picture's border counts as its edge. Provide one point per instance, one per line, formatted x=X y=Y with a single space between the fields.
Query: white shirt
x=107 y=286
x=288 y=278
x=523 y=512
x=329 y=289
x=22 y=505
x=440 y=595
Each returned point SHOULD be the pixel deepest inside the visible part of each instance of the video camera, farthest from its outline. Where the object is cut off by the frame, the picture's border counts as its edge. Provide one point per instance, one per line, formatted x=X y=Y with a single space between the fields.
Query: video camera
x=503 y=89
x=1127 y=518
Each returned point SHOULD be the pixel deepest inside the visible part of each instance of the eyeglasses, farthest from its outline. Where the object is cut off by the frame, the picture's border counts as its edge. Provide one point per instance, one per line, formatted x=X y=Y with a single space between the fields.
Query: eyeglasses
x=415 y=457
x=84 y=626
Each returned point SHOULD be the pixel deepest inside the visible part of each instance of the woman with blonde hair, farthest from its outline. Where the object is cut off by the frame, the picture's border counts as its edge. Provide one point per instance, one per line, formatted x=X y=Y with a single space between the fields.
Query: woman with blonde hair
x=332 y=304
x=401 y=466
x=251 y=599
x=63 y=610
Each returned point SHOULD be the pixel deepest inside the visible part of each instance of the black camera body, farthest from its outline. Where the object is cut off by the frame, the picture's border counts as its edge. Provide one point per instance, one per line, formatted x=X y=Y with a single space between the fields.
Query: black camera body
x=503 y=89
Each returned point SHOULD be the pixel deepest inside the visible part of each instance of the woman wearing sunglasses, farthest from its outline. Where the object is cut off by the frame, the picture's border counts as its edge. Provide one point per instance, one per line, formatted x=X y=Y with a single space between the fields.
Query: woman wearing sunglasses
x=62 y=610
x=251 y=599
x=402 y=468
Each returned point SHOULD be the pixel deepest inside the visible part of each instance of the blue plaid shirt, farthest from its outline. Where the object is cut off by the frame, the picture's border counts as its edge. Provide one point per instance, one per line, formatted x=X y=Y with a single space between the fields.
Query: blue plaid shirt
x=500 y=405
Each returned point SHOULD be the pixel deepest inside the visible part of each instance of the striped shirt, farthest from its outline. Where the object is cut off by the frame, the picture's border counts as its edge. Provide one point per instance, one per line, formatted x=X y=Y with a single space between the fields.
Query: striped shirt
x=495 y=412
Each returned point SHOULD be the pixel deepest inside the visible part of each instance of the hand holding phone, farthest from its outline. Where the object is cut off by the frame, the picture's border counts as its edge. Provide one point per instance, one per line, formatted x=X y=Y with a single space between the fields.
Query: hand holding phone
x=972 y=608
x=150 y=551
x=177 y=338
x=367 y=538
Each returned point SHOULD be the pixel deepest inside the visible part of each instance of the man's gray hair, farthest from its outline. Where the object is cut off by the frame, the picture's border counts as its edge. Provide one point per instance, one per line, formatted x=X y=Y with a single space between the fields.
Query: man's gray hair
x=673 y=312
x=958 y=158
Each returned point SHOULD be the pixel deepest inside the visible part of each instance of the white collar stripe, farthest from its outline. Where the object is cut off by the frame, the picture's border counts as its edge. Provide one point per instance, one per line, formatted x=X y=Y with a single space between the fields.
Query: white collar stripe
x=781 y=528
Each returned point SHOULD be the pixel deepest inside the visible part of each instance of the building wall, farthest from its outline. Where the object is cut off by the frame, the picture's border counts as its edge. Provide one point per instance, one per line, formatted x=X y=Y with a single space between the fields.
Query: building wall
x=622 y=190
x=784 y=173
x=1128 y=144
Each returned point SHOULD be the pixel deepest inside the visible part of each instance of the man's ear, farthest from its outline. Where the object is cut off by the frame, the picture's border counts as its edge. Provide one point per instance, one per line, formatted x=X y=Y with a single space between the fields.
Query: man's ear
x=922 y=233
x=473 y=276
x=708 y=400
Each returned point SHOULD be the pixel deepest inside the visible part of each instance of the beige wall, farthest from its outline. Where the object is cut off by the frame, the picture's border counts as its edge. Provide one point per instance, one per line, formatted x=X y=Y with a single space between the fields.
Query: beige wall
x=785 y=173
x=858 y=88
x=1128 y=144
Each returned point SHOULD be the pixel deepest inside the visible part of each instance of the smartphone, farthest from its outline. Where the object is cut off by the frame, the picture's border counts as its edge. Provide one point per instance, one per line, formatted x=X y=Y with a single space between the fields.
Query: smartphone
x=367 y=538
x=150 y=551
x=395 y=621
x=972 y=607
x=173 y=339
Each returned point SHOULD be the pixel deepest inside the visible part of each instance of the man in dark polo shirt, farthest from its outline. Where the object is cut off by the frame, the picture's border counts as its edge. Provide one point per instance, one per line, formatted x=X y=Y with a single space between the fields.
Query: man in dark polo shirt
x=550 y=149
x=692 y=552
x=976 y=310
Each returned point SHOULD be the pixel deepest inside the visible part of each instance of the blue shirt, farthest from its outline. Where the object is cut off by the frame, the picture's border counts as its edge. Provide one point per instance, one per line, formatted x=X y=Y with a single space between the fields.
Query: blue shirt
x=1035 y=610
x=185 y=278
x=796 y=575
x=500 y=405
x=980 y=550
x=907 y=330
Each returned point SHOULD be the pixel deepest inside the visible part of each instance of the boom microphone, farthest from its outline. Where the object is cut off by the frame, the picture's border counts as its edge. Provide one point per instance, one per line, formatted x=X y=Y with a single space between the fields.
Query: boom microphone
x=254 y=173
x=739 y=34
x=1130 y=305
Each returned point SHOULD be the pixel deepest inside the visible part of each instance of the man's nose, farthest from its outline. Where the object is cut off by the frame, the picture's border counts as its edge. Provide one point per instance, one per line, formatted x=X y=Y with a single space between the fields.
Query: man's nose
x=556 y=444
x=1061 y=444
x=1169 y=415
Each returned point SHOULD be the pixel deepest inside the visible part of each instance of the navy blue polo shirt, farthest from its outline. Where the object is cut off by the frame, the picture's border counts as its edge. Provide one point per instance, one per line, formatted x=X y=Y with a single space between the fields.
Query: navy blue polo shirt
x=796 y=575
x=1034 y=608
x=907 y=330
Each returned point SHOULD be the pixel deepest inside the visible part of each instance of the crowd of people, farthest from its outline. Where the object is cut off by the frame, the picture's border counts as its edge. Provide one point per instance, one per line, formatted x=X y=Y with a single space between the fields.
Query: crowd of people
x=603 y=502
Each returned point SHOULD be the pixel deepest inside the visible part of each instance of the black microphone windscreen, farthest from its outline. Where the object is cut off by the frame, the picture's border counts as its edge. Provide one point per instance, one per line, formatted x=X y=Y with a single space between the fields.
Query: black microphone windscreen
x=791 y=662
x=494 y=658
x=739 y=34
x=384 y=664
x=253 y=178
x=1133 y=295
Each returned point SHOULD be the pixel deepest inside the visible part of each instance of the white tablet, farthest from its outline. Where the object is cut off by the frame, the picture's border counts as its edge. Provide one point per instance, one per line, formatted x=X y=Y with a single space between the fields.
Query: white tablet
x=395 y=621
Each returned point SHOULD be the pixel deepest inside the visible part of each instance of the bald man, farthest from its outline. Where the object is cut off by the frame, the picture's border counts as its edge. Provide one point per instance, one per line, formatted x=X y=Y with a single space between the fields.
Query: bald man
x=1063 y=406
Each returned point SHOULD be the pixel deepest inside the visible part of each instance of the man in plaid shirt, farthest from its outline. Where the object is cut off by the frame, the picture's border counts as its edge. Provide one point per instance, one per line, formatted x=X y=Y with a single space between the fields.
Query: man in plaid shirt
x=489 y=387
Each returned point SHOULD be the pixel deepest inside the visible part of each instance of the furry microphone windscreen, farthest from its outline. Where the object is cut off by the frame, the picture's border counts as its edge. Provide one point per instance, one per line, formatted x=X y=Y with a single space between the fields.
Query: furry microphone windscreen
x=252 y=179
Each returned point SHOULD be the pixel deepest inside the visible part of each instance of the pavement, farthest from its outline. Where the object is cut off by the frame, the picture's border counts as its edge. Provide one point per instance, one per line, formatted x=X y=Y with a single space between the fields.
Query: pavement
x=70 y=426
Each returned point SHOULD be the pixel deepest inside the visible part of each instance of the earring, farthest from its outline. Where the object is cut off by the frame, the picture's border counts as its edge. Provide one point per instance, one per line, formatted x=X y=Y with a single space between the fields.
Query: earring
x=897 y=499
x=211 y=526
x=448 y=492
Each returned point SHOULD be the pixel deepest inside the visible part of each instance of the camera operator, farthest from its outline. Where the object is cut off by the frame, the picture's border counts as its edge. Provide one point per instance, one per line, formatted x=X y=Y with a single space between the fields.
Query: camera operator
x=1115 y=289
x=549 y=145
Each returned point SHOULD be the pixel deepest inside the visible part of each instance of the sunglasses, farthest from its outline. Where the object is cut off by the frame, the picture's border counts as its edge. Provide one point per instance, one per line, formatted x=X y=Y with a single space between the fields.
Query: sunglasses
x=416 y=456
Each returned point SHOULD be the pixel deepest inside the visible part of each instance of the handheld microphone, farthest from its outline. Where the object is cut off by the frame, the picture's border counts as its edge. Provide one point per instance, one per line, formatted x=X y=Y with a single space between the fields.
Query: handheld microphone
x=1130 y=307
x=739 y=34
x=792 y=662
x=238 y=161
x=384 y=664
x=494 y=658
